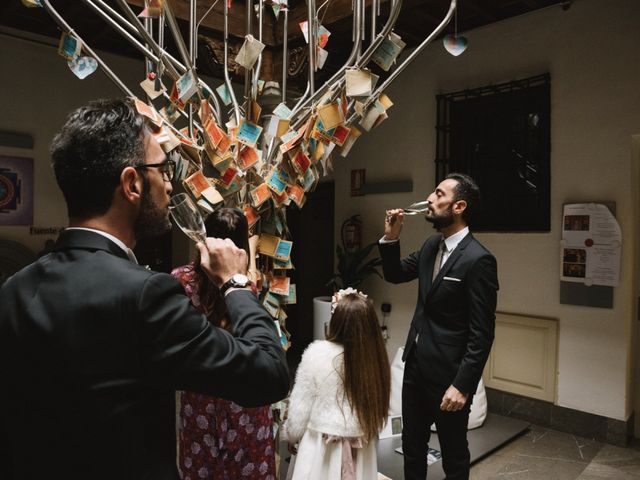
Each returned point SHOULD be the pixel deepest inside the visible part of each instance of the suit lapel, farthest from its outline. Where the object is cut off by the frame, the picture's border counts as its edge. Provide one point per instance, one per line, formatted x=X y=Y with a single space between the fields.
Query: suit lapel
x=451 y=261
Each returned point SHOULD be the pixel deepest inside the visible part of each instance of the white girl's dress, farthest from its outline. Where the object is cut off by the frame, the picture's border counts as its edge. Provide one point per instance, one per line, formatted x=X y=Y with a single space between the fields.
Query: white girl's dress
x=331 y=444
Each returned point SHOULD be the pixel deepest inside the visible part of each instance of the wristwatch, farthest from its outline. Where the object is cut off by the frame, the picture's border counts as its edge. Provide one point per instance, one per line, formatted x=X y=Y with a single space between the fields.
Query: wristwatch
x=239 y=280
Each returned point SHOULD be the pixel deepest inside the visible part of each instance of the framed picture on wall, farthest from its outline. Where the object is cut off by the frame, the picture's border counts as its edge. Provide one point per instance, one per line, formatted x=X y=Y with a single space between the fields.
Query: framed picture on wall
x=16 y=190
x=392 y=428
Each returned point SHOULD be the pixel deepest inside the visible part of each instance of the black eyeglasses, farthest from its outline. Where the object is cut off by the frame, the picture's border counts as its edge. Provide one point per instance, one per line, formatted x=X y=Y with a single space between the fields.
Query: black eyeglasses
x=167 y=168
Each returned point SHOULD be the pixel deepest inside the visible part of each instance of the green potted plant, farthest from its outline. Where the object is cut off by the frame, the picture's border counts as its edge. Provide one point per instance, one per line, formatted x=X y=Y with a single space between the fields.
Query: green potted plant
x=353 y=267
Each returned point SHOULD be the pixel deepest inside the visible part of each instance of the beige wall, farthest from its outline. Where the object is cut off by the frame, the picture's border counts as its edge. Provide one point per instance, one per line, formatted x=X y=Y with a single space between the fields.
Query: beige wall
x=592 y=53
x=38 y=91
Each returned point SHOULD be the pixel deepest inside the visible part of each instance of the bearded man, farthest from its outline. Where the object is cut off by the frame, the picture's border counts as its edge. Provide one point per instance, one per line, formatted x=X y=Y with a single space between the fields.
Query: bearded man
x=93 y=346
x=452 y=328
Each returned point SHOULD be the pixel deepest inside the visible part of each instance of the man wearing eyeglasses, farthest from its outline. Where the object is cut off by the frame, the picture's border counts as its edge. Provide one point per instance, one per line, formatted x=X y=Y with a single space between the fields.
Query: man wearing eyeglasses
x=94 y=346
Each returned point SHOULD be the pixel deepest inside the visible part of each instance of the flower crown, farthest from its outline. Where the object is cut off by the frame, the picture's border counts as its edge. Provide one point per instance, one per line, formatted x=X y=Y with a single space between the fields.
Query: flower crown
x=341 y=293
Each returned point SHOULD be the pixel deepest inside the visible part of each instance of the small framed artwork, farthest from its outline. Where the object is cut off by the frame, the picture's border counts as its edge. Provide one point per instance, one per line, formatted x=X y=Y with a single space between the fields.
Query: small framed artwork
x=357 y=182
x=392 y=428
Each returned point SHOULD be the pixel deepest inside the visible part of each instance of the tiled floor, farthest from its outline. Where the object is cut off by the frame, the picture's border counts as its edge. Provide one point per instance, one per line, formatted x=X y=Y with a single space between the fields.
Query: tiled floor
x=543 y=454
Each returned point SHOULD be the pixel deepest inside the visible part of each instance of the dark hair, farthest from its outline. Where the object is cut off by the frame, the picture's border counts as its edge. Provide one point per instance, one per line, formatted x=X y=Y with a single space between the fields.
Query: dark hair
x=466 y=190
x=367 y=375
x=88 y=154
x=222 y=223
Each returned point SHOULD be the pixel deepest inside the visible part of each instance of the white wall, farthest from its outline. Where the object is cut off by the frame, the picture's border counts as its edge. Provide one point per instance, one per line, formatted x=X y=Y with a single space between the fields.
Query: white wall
x=38 y=92
x=592 y=52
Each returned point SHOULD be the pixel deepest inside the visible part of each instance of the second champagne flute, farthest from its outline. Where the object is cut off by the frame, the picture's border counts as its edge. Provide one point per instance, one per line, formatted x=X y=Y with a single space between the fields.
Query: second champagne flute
x=186 y=215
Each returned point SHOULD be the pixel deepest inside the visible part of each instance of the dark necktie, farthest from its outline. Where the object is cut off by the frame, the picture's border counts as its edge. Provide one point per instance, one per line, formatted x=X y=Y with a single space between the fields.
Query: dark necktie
x=442 y=248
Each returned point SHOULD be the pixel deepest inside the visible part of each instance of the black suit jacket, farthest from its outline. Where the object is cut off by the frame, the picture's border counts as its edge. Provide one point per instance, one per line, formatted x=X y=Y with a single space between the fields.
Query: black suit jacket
x=454 y=315
x=92 y=350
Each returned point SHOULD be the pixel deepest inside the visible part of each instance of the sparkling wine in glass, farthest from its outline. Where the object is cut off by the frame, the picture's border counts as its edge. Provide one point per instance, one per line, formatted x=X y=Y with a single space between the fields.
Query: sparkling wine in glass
x=417 y=208
x=186 y=215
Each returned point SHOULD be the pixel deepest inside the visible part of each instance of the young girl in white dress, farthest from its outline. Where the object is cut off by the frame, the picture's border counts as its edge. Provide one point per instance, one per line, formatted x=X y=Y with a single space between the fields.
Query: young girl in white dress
x=340 y=398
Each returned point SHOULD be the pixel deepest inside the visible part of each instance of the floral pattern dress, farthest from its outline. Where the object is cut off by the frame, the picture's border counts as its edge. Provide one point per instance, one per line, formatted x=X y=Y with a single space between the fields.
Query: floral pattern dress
x=219 y=439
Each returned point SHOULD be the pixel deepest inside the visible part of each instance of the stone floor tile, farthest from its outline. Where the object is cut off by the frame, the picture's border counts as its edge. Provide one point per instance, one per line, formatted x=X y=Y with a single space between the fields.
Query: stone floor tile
x=622 y=459
x=595 y=471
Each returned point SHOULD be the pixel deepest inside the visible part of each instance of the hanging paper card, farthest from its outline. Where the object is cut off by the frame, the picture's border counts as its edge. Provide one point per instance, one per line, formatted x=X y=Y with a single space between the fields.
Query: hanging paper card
x=387 y=52
x=353 y=136
x=69 y=46
x=279 y=284
x=340 y=135
x=304 y=27
x=371 y=116
x=248 y=157
x=228 y=176
x=290 y=139
x=282 y=264
x=309 y=180
x=283 y=250
x=82 y=66
x=170 y=113
x=331 y=115
x=149 y=87
x=149 y=112
x=322 y=57
x=300 y=162
x=291 y=297
x=296 y=193
x=212 y=134
x=170 y=141
x=231 y=189
x=358 y=82
x=255 y=110
x=153 y=9
x=225 y=143
x=259 y=195
x=196 y=183
x=248 y=133
x=276 y=181
x=273 y=246
x=249 y=52
x=282 y=111
x=223 y=93
x=323 y=36
x=251 y=214
x=280 y=199
x=385 y=101
x=185 y=87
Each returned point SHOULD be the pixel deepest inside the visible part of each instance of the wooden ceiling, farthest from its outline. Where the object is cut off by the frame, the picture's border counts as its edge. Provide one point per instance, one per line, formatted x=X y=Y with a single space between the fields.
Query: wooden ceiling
x=417 y=19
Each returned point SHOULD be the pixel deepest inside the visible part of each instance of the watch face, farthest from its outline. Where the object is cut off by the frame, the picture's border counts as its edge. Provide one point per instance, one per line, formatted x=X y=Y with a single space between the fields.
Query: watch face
x=241 y=279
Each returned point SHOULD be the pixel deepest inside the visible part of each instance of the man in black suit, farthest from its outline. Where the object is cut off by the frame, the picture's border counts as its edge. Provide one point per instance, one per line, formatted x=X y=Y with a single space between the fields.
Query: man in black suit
x=452 y=328
x=94 y=346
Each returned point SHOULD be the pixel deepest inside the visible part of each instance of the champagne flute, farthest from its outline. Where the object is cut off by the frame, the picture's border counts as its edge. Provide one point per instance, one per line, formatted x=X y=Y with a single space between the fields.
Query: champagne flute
x=186 y=215
x=417 y=208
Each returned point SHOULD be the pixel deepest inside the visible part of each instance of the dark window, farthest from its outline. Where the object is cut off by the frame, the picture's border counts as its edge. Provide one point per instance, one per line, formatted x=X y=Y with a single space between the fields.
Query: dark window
x=500 y=135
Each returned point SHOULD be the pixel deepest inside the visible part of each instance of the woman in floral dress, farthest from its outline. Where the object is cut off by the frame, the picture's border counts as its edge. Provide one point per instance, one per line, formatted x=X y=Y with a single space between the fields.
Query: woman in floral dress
x=219 y=439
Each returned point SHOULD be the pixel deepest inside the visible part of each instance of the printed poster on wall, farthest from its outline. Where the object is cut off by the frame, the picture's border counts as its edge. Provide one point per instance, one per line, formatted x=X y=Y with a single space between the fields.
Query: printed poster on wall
x=591 y=245
x=16 y=190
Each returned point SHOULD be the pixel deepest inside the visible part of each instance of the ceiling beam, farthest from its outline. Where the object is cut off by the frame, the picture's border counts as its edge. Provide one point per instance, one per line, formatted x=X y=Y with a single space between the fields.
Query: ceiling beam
x=336 y=11
x=482 y=8
x=215 y=19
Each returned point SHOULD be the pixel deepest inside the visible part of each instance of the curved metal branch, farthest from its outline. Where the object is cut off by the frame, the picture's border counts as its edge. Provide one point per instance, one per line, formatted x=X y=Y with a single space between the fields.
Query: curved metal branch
x=67 y=28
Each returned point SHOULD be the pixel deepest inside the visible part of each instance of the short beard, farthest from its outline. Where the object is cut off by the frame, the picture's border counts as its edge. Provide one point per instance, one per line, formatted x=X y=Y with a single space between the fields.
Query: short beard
x=444 y=220
x=152 y=220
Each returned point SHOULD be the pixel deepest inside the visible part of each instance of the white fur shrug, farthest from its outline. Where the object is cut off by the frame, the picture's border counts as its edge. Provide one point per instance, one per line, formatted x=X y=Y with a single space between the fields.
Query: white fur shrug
x=317 y=400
